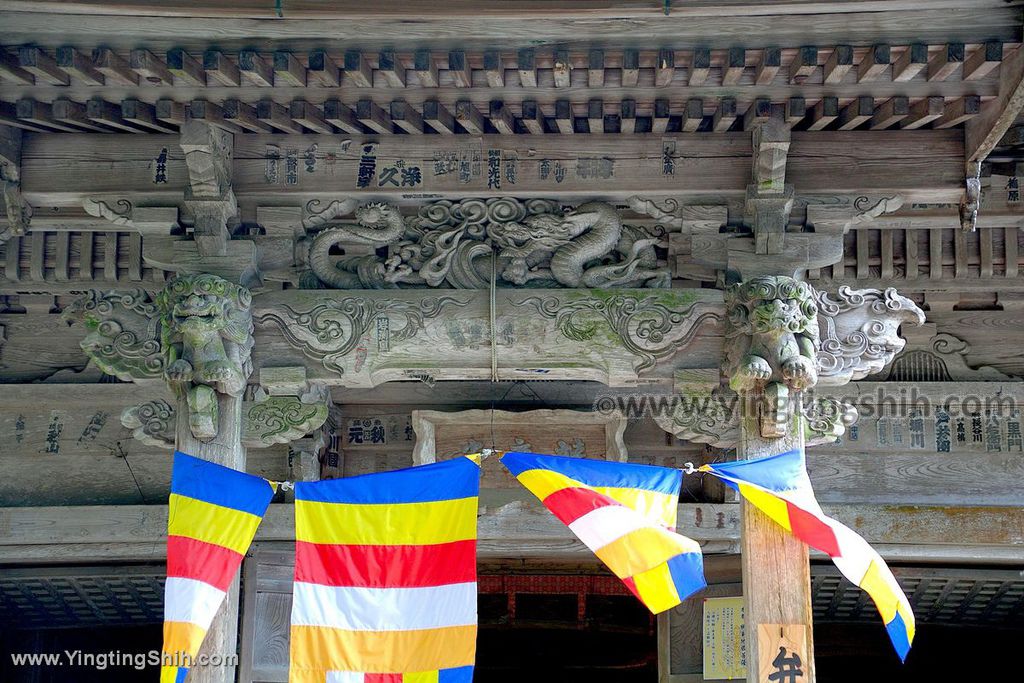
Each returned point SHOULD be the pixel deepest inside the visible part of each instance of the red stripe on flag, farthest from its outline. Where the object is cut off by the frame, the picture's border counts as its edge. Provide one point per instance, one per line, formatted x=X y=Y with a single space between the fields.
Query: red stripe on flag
x=569 y=504
x=382 y=678
x=631 y=585
x=386 y=566
x=191 y=559
x=813 y=531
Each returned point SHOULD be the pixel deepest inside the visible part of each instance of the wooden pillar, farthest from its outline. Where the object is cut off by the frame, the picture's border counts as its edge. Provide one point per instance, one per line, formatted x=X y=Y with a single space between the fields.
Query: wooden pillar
x=224 y=449
x=776 y=568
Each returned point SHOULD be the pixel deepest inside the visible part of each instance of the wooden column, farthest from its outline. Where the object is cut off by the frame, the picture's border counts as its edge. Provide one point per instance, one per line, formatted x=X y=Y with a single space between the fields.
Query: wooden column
x=776 y=567
x=224 y=449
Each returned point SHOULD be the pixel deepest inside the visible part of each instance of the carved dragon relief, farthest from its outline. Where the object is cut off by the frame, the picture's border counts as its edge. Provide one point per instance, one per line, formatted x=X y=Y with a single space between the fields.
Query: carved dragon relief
x=532 y=243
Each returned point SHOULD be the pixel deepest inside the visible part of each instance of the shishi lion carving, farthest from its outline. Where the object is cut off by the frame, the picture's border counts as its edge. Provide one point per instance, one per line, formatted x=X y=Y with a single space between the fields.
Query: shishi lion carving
x=207 y=343
x=772 y=342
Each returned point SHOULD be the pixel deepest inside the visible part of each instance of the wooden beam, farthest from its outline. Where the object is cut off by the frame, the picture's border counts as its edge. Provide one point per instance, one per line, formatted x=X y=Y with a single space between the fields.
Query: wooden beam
x=890 y=113
x=735 y=64
x=255 y=70
x=426 y=68
x=150 y=67
x=527 y=67
x=875 y=64
x=357 y=69
x=459 y=69
x=595 y=68
x=407 y=118
x=945 y=62
x=983 y=61
x=74 y=115
x=42 y=66
x=501 y=118
x=662 y=114
x=983 y=132
x=276 y=116
x=533 y=117
x=288 y=70
x=114 y=68
x=143 y=115
x=80 y=67
x=803 y=65
x=10 y=69
x=700 y=66
x=913 y=60
x=469 y=117
x=170 y=111
x=437 y=116
x=244 y=116
x=201 y=110
x=924 y=112
x=839 y=62
x=221 y=69
x=390 y=67
x=627 y=117
x=857 y=112
x=32 y=111
x=825 y=112
x=725 y=115
x=185 y=68
x=340 y=116
x=630 y=68
x=759 y=111
x=323 y=71
x=959 y=111
x=795 y=111
x=693 y=115
x=768 y=67
x=309 y=116
x=108 y=114
x=664 y=68
x=561 y=69
x=565 y=120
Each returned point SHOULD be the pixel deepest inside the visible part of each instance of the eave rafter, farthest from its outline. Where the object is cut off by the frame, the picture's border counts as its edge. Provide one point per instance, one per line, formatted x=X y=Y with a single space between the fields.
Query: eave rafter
x=505 y=91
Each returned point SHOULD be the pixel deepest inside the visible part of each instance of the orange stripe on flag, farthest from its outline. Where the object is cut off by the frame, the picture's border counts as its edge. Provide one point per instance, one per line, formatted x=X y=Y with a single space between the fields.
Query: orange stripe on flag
x=181 y=636
x=317 y=647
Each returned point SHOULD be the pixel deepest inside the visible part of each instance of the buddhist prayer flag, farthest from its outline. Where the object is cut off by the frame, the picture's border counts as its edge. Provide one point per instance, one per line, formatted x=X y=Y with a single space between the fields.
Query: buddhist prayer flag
x=385 y=576
x=212 y=517
x=779 y=487
x=626 y=514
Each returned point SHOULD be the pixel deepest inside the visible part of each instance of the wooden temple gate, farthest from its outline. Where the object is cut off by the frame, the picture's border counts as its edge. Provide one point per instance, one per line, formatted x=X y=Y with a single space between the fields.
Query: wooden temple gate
x=341 y=241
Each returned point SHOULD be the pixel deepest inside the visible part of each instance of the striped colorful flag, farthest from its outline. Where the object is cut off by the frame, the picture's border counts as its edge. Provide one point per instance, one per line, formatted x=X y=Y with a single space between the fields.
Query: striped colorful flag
x=626 y=514
x=779 y=487
x=212 y=516
x=385 y=577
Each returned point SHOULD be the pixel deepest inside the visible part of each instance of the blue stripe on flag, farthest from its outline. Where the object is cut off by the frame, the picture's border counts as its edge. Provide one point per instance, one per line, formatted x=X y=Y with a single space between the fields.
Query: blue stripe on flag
x=219 y=485
x=463 y=674
x=687 y=571
x=447 y=480
x=599 y=472
x=182 y=675
x=898 y=634
x=783 y=472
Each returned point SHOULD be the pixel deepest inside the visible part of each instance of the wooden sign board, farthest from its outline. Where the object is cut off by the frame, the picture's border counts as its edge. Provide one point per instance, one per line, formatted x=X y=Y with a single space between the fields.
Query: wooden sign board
x=725 y=643
x=782 y=653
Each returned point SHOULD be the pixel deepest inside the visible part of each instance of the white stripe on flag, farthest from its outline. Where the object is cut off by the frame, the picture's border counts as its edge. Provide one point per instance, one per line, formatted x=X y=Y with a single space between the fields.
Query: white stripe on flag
x=190 y=600
x=601 y=526
x=384 y=609
x=345 y=677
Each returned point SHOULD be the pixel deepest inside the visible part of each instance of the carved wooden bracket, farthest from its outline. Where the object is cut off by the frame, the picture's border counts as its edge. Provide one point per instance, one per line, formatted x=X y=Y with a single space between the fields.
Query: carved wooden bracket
x=782 y=339
x=17 y=210
x=266 y=419
x=197 y=335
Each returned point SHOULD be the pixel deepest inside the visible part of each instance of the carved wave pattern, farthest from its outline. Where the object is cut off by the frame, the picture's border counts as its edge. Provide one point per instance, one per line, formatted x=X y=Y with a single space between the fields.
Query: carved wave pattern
x=330 y=331
x=644 y=325
x=279 y=420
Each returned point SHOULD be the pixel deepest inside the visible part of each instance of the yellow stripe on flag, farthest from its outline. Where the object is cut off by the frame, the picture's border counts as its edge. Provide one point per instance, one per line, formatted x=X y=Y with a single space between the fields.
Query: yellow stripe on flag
x=182 y=637
x=428 y=523
x=332 y=649
x=211 y=523
x=657 y=589
x=421 y=677
x=643 y=549
x=876 y=585
x=770 y=505
x=660 y=508
x=542 y=483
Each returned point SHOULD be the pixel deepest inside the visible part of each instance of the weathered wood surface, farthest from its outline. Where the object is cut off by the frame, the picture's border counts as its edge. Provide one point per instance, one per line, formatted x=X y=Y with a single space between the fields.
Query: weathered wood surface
x=474 y=28
x=942 y=531
x=62 y=170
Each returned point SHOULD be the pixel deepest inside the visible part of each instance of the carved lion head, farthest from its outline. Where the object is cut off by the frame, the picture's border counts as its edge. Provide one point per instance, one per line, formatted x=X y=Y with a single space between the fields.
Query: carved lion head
x=204 y=303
